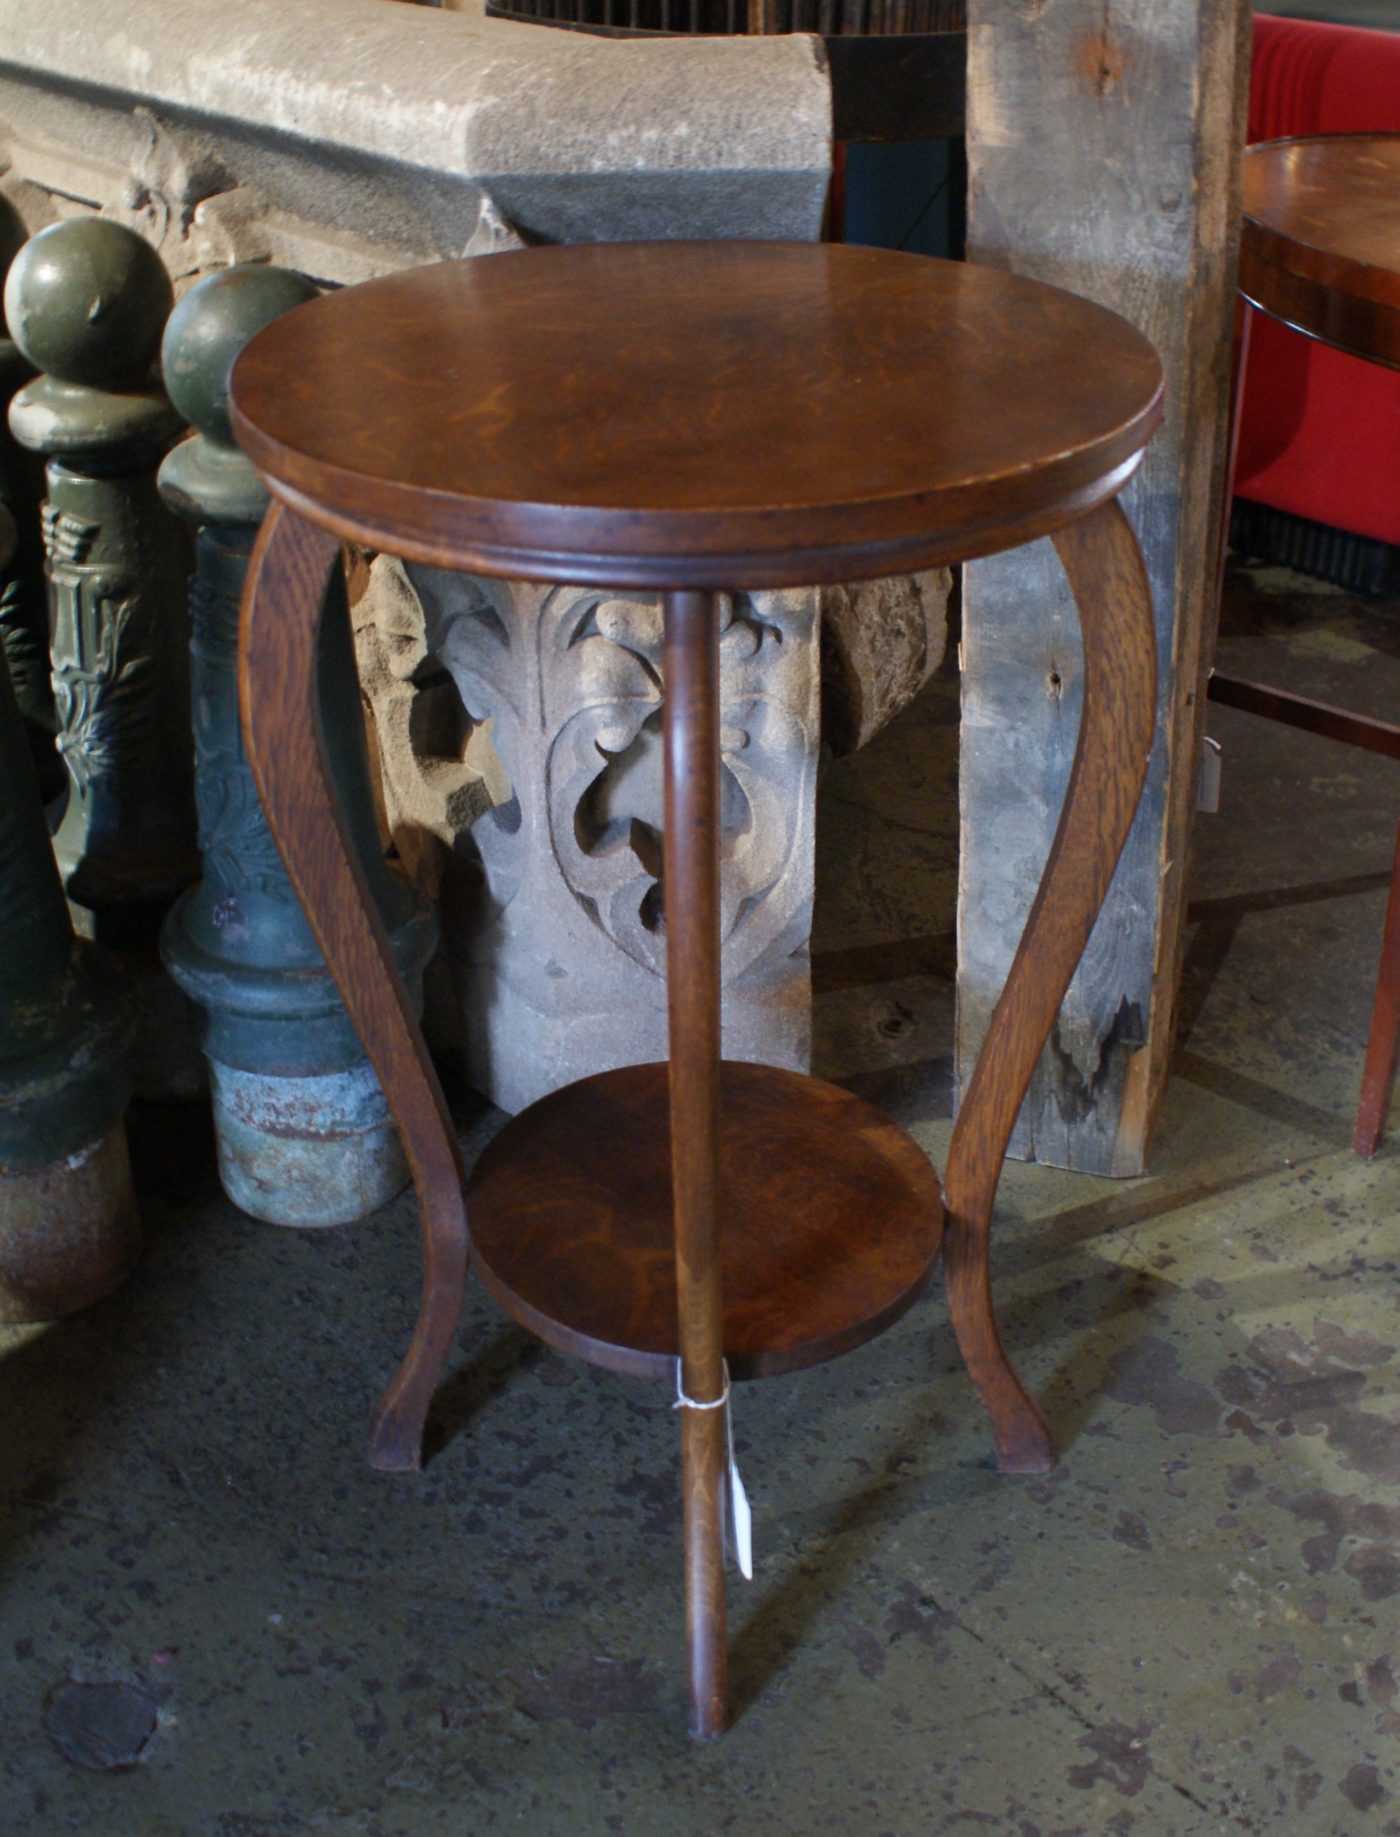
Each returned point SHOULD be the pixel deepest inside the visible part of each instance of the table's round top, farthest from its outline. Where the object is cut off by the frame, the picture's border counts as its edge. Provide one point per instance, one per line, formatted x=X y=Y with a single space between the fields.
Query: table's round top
x=1321 y=243
x=696 y=414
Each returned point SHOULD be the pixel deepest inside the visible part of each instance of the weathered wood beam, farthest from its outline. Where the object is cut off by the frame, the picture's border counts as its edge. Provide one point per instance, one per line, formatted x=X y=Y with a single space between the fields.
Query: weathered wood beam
x=1103 y=141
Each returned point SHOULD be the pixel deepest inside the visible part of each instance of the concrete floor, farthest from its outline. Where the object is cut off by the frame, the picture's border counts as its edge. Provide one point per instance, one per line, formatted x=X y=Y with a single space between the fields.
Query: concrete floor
x=1191 y=1626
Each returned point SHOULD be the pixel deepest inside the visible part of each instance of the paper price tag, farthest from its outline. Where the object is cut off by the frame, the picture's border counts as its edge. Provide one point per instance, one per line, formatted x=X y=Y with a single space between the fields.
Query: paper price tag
x=1208 y=783
x=740 y=1517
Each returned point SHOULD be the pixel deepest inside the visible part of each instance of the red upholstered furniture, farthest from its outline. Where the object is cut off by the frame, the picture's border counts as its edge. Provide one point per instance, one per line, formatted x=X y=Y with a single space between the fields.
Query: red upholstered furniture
x=1319 y=433
x=1320 y=250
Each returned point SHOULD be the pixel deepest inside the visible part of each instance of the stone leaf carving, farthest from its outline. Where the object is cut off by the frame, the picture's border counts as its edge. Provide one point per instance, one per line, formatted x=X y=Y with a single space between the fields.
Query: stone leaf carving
x=478 y=630
x=170 y=175
x=562 y=697
x=881 y=641
x=432 y=792
x=550 y=861
x=518 y=728
x=590 y=715
x=600 y=663
x=492 y=233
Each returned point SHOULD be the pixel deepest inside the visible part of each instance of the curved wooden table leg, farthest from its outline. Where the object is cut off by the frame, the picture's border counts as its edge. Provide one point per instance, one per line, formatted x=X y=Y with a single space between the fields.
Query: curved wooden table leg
x=282 y=609
x=1384 y=1037
x=1101 y=557
x=691 y=844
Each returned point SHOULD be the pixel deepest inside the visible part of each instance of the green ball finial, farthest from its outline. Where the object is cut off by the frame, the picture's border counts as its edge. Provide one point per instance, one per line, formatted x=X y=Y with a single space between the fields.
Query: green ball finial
x=12 y=235
x=208 y=329
x=86 y=301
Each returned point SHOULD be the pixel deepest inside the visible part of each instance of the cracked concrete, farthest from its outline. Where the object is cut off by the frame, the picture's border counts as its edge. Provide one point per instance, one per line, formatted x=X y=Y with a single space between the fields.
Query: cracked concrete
x=1189 y=1627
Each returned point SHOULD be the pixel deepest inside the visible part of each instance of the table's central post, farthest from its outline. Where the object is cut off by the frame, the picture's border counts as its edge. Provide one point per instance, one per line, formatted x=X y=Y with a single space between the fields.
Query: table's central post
x=691 y=906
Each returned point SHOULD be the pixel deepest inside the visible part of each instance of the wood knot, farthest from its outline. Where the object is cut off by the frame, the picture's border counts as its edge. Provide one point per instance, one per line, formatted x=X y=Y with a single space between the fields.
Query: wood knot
x=1101 y=63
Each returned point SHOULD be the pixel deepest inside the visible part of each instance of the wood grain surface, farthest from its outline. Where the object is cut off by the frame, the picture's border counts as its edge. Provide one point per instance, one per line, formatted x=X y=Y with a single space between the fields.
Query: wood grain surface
x=830 y=1220
x=1321 y=243
x=690 y=883
x=1104 y=567
x=1378 y=1074
x=1321 y=252
x=282 y=610
x=696 y=415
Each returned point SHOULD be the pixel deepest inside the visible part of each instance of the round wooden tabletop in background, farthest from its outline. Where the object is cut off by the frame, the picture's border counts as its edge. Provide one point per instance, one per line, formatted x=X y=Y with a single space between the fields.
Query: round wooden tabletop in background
x=1321 y=242
x=696 y=414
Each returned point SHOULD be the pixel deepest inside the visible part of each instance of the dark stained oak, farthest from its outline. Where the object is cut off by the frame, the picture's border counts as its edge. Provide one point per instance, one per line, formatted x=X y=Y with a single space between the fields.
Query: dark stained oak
x=283 y=604
x=691 y=876
x=1303 y=711
x=830 y=1221
x=1378 y=1073
x=695 y=418
x=1102 y=560
x=1320 y=248
x=696 y=415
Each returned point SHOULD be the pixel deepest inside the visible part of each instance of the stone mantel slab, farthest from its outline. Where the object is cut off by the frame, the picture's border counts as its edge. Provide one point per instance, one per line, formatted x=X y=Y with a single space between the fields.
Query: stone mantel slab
x=354 y=135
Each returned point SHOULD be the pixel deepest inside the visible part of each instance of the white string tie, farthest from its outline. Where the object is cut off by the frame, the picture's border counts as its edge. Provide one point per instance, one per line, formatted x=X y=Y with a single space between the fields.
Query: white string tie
x=739 y=1518
x=689 y=1403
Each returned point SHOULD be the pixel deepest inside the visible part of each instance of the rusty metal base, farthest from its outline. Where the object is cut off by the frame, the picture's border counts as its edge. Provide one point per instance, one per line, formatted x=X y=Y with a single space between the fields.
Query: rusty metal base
x=307 y=1152
x=69 y=1231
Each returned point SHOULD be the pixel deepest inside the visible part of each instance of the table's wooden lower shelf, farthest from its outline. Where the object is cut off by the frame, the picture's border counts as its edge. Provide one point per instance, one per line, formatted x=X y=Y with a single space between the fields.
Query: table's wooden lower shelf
x=830 y=1220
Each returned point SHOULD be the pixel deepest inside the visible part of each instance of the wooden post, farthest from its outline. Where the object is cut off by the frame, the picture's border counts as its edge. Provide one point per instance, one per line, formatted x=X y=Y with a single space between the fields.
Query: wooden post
x=1103 y=143
x=692 y=893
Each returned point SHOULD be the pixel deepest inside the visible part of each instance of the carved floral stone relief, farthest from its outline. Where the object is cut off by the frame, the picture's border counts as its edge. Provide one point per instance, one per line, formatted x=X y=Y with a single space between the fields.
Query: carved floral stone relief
x=562 y=689
x=600 y=664
x=550 y=860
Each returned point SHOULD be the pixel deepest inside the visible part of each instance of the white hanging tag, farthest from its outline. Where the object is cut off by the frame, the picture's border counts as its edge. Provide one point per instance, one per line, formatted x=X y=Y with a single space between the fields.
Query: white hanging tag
x=740 y=1516
x=1208 y=782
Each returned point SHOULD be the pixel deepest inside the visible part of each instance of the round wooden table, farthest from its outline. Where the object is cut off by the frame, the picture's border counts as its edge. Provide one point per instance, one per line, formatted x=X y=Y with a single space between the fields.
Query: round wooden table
x=694 y=419
x=1320 y=250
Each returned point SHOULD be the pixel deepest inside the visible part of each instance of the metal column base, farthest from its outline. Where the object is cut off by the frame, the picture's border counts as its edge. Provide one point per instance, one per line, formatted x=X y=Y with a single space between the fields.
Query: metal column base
x=69 y=1231
x=306 y=1151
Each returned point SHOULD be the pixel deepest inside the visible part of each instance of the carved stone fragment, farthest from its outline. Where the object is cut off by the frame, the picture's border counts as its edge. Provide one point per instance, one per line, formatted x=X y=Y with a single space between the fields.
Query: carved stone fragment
x=881 y=641
x=546 y=796
x=518 y=730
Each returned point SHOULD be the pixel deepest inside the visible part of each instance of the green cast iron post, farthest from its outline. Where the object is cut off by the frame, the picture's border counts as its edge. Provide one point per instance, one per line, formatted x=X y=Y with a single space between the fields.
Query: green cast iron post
x=24 y=621
x=86 y=301
x=69 y=1232
x=304 y=1134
